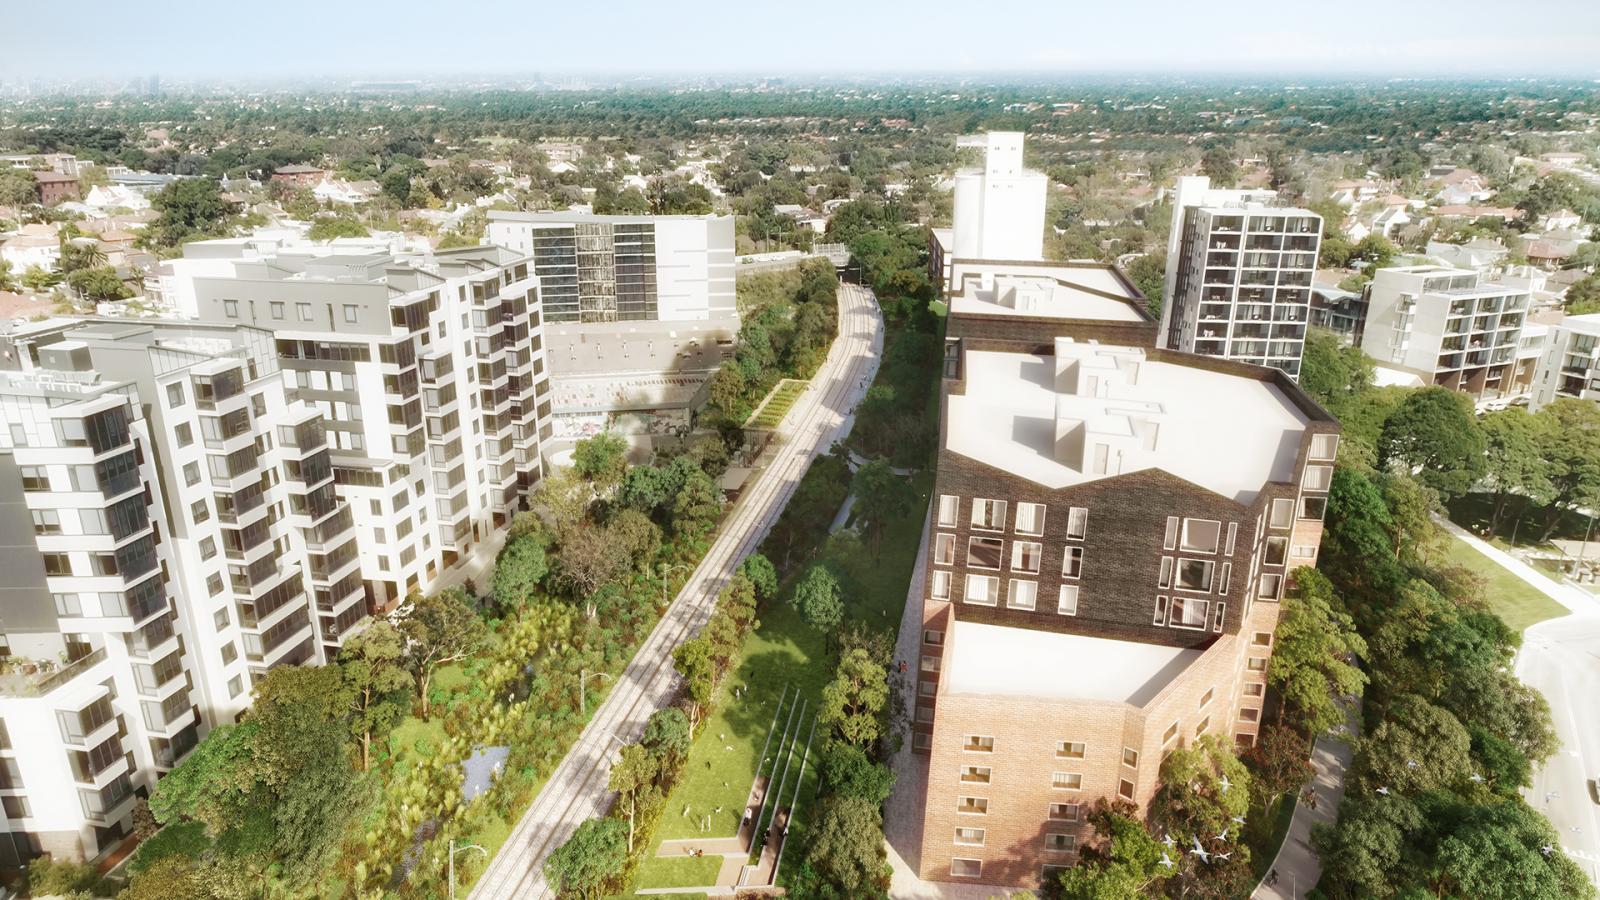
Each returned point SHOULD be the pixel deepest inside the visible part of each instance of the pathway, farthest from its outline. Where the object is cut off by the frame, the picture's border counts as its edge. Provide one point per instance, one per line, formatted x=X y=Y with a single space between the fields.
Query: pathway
x=1297 y=866
x=576 y=790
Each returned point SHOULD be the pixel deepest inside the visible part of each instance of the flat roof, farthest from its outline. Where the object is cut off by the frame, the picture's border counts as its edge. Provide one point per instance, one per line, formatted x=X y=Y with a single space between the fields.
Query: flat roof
x=1076 y=294
x=1023 y=662
x=567 y=218
x=1227 y=433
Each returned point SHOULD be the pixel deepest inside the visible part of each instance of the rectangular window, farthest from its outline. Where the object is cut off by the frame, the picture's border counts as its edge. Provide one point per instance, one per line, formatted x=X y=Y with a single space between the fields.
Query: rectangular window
x=1313 y=507
x=1201 y=535
x=1022 y=595
x=949 y=507
x=989 y=515
x=1261 y=639
x=1077 y=523
x=1317 y=478
x=932 y=637
x=970 y=837
x=972 y=806
x=1233 y=534
x=1025 y=556
x=1324 y=446
x=1205 y=699
x=1195 y=574
x=977 y=743
x=1170 y=542
x=1277 y=551
x=1219 y=611
x=974 y=774
x=230 y=308
x=1130 y=757
x=1254 y=690
x=1066 y=781
x=175 y=394
x=1125 y=789
x=1269 y=586
x=1067 y=602
x=1189 y=613
x=1070 y=749
x=1165 y=579
x=1161 y=612
x=1282 y=513
x=1201 y=728
x=966 y=868
x=1258 y=664
x=927 y=688
x=1171 y=732
x=983 y=590
x=276 y=307
x=924 y=714
x=1245 y=740
x=1063 y=812
x=1072 y=562
x=1225 y=579
x=1249 y=714
x=944 y=549
x=985 y=552
x=1060 y=843
x=939 y=588
x=303 y=310
x=1303 y=551
x=352 y=313
x=1030 y=518
x=930 y=664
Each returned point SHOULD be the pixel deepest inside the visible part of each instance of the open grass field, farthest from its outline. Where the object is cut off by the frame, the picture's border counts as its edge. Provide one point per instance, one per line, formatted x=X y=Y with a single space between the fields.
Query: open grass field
x=1509 y=597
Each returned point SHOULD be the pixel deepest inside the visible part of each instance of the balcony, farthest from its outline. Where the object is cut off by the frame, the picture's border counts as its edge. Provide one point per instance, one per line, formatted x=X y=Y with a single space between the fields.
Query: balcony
x=37 y=678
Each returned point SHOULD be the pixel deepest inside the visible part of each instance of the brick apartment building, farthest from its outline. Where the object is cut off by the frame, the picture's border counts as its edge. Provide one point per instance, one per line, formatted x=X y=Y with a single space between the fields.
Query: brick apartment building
x=1113 y=525
x=55 y=187
x=298 y=175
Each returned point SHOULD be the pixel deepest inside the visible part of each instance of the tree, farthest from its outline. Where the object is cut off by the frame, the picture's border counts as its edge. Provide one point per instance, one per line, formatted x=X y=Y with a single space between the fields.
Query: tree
x=1335 y=252
x=18 y=188
x=1514 y=459
x=1495 y=853
x=326 y=228
x=1435 y=435
x=170 y=876
x=1314 y=660
x=590 y=558
x=1148 y=273
x=817 y=596
x=848 y=772
x=1333 y=372
x=632 y=775
x=1194 y=803
x=601 y=459
x=668 y=736
x=1126 y=866
x=762 y=574
x=1417 y=747
x=1573 y=449
x=7 y=283
x=595 y=852
x=520 y=569
x=697 y=664
x=1279 y=761
x=1583 y=297
x=36 y=279
x=439 y=628
x=1361 y=856
x=1377 y=251
x=99 y=284
x=854 y=702
x=372 y=665
x=846 y=844
x=188 y=209
x=881 y=495
x=1218 y=164
x=697 y=507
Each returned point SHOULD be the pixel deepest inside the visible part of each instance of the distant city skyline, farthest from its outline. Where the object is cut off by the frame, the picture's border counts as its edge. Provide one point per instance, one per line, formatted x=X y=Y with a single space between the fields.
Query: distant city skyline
x=408 y=39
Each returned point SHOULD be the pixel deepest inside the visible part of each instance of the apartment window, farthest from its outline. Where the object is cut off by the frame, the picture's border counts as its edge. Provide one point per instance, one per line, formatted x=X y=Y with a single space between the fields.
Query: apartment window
x=1201 y=535
x=191 y=474
x=1077 y=523
x=184 y=434
x=1249 y=714
x=235 y=686
x=966 y=868
x=208 y=548
x=1255 y=690
x=1277 y=551
x=220 y=618
x=1233 y=534
x=949 y=508
x=1313 y=507
x=16 y=807
x=175 y=394
x=46 y=521
x=1317 y=478
x=1070 y=749
x=924 y=714
x=1201 y=728
x=984 y=590
x=972 y=806
x=1195 y=574
x=1063 y=812
x=970 y=837
x=1170 y=541
x=1225 y=579
x=1269 y=586
x=230 y=308
x=1067 y=602
x=921 y=741
x=1258 y=664
x=1130 y=757
x=229 y=653
x=1282 y=513
x=57 y=563
x=1245 y=740
x=276 y=308
x=1171 y=732
x=1030 y=518
x=214 y=584
x=1066 y=781
x=1167 y=564
x=930 y=663
x=1205 y=699
x=1161 y=612
x=352 y=313
x=974 y=774
x=303 y=310
x=977 y=743
x=1125 y=789
x=36 y=478
x=1060 y=843
x=1218 y=611
x=985 y=552
x=1022 y=595
x=199 y=511
x=1324 y=446
x=989 y=515
x=927 y=688
x=1261 y=639
x=932 y=637
x=1025 y=556
x=1303 y=551
x=1189 y=613
x=939 y=589
x=1072 y=562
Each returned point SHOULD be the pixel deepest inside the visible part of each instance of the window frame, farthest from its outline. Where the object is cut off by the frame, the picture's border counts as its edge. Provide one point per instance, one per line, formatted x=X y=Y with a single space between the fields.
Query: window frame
x=987 y=504
x=1062 y=607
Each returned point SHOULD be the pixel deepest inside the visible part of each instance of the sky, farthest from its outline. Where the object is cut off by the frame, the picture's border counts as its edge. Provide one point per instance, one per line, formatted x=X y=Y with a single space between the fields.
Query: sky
x=293 y=39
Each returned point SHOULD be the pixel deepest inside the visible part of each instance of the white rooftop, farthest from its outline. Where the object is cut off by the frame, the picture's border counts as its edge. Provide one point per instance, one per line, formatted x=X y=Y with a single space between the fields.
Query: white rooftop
x=1095 y=411
x=1063 y=297
x=1023 y=662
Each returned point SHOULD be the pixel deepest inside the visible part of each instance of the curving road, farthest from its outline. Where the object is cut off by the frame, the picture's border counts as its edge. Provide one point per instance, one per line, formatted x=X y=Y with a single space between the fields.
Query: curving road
x=577 y=788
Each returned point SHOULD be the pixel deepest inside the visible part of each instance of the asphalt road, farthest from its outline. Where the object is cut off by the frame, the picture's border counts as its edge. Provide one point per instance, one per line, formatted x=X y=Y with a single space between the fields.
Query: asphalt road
x=577 y=789
x=1561 y=658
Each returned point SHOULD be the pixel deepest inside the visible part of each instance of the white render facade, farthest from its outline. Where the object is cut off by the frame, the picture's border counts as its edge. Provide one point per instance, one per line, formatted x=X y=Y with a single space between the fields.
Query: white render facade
x=1570 y=364
x=999 y=208
x=1449 y=327
x=1239 y=273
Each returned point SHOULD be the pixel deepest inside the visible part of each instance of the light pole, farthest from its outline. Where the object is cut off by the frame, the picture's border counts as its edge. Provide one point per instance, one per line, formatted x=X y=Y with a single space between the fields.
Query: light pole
x=583 y=680
x=665 y=570
x=452 y=862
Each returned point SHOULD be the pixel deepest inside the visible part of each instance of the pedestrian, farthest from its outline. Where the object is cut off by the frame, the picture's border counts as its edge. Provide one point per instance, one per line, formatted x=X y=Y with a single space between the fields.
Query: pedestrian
x=1272 y=877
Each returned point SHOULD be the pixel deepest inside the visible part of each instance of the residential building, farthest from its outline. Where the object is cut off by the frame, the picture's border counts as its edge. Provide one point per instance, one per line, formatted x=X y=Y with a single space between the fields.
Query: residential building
x=998 y=206
x=64 y=163
x=1113 y=529
x=1340 y=311
x=1569 y=367
x=55 y=187
x=1449 y=327
x=298 y=175
x=1239 y=273
x=1482 y=254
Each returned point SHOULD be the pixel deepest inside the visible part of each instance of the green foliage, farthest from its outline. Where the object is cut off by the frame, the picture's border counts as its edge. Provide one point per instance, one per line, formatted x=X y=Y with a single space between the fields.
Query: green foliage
x=1314 y=660
x=762 y=574
x=845 y=845
x=1124 y=866
x=519 y=570
x=819 y=599
x=881 y=496
x=854 y=702
x=1218 y=164
x=847 y=771
x=601 y=459
x=582 y=864
x=439 y=628
x=99 y=284
x=1514 y=459
x=1583 y=297
x=184 y=839
x=173 y=875
x=1377 y=251
x=1279 y=762
x=18 y=188
x=187 y=210
x=48 y=877
x=1333 y=372
x=1435 y=434
x=1148 y=273
x=375 y=683
x=326 y=228
x=667 y=735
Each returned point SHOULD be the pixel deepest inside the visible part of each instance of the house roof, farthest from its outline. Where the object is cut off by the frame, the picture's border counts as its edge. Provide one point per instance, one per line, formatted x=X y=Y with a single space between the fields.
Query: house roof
x=296 y=170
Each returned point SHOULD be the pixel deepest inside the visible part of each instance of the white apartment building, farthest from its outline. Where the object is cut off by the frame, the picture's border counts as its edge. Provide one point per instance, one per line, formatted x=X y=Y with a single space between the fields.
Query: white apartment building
x=1449 y=327
x=1570 y=364
x=1239 y=272
x=999 y=210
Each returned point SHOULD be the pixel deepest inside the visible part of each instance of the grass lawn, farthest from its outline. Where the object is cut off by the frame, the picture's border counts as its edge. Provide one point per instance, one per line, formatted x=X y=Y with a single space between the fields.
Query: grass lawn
x=1509 y=597
x=1522 y=520
x=777 y=403
x=680 y=871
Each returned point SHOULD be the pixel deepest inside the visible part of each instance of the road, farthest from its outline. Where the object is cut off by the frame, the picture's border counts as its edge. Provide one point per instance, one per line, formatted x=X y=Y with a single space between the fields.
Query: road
x=576 y=789
x=1561 y=659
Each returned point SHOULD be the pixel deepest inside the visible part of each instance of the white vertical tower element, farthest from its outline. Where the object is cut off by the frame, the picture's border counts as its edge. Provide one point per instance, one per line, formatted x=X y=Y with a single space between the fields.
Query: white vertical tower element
x=999 y=208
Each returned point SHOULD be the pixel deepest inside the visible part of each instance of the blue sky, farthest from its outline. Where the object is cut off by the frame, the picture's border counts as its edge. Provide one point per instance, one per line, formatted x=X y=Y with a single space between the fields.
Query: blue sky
x=411 y=38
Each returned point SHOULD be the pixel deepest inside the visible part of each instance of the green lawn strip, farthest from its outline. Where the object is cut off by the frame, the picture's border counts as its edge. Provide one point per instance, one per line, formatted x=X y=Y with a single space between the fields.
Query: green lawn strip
x=1552 y=569
x=1508 y=596
x=777 y=403
x=679 y=871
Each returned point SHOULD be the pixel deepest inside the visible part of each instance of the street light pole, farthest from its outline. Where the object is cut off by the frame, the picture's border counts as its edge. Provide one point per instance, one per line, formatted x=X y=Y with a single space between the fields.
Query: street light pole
x=452 y=862
x=665 y=570
x=583 y=679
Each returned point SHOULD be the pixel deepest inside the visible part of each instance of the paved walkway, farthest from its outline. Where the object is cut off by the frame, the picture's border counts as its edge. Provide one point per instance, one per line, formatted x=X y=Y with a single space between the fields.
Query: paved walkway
x=1575 y=599
x=1297 y=864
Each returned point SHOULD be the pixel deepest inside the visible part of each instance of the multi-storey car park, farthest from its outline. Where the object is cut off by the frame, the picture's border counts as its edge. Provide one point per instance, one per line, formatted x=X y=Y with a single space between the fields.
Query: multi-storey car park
x=1113 y=528
x=1239 y=272
x=189 y=503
